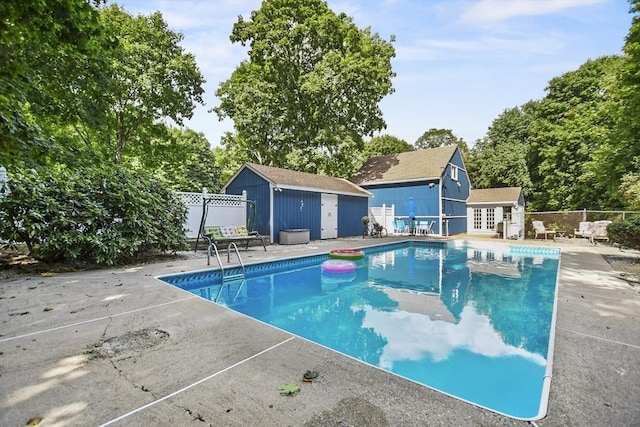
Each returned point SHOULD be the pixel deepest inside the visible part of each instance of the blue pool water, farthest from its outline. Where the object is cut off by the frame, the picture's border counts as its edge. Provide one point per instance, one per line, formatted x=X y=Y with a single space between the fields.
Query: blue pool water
x=471 y=321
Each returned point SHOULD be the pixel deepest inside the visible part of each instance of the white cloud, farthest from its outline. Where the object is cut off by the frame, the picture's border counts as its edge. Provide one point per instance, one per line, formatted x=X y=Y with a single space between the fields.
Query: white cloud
x=413 y=336
x=485 y=47
x=500 y=10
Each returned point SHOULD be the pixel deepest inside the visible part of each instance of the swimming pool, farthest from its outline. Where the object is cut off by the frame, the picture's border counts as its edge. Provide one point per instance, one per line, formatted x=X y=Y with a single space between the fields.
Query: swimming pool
x=472 y=320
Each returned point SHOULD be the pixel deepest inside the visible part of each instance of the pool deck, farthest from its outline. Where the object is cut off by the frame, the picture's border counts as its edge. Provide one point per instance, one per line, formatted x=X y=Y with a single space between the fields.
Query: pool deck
x=119 y=347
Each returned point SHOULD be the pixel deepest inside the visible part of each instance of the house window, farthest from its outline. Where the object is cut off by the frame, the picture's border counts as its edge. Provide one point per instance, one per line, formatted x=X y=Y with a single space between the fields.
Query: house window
x=491 y=218
x=454 y=172
x=506 y=213
x=477 y=219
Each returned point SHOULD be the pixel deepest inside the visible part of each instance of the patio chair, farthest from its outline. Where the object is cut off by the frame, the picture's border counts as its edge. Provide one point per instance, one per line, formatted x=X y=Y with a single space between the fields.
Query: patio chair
x=540 y=230
x=599 y=231
x=585 y=229
x=430 y=225
x=399 y=227
x=424 y=227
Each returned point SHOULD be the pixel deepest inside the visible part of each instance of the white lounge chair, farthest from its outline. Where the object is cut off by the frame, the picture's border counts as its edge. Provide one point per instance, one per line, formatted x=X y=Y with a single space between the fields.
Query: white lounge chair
x=585 y=229
x=600 y=231
x=540 y=230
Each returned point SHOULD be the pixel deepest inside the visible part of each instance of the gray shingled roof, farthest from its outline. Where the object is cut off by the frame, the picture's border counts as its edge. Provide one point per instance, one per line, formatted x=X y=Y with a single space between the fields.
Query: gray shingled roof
x=287 y=178
x=495 y=195
x=409 y=166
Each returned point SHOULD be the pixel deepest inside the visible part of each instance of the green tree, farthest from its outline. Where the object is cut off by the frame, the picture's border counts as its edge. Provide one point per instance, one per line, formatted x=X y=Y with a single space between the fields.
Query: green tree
x=310 y=89
x=500 y=158
x=617 y=163
x=385 y=144
x=41 y=44
x=183 y=159
x=152 y=79
x=340 y=159
x=574 y=120
x=434 y=138
x=99 y=215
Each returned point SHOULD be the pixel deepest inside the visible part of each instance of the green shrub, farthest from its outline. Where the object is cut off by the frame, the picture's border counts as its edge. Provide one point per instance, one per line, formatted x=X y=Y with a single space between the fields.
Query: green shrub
x=626 y=232
x=104 y=216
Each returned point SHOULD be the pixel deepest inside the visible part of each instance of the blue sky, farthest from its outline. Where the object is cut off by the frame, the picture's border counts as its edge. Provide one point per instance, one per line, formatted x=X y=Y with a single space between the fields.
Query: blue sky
x=458 y=64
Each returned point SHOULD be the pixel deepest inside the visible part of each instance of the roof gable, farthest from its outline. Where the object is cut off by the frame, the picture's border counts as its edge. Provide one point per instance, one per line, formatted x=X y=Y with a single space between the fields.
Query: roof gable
x=290 y=179
x=495 y=195
x=408 y=166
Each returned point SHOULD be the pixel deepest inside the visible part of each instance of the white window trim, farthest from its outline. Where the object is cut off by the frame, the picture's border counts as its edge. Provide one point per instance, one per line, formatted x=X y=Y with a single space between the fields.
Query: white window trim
x=454 y=172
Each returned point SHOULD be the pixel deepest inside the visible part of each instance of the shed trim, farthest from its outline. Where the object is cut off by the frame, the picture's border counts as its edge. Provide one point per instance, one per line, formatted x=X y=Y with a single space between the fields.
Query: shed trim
x=320 y=190
x=403 y=181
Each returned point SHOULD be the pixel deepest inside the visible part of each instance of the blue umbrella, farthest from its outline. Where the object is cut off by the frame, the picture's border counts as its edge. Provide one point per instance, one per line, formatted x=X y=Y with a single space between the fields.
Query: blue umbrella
x=412 y=208
x=412 y=213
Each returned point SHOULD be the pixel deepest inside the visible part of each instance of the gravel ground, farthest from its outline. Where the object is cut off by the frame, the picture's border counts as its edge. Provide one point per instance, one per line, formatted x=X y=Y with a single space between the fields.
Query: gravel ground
x=628 y=265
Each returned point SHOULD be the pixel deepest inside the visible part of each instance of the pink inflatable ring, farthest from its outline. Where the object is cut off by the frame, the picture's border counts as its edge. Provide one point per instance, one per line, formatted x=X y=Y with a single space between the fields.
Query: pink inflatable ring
x=338 y=266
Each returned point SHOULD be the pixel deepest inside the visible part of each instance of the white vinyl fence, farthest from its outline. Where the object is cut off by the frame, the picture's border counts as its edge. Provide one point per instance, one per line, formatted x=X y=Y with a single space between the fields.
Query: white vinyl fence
x=383 y=215
x=223 y=209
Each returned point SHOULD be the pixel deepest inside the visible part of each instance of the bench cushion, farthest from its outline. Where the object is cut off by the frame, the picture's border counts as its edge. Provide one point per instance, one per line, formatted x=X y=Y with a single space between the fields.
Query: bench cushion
x=242 y=231
x=228 y=231
x=214 y=230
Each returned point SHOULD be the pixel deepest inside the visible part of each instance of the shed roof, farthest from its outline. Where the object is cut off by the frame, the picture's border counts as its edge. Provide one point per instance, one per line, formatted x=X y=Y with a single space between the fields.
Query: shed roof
x=507 y=195
x=290 y=179
x=406 y=167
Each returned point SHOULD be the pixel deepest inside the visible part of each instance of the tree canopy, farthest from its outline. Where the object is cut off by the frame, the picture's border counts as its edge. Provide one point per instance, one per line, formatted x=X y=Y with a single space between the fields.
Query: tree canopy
x=621 y=156
x=434 y=138
x=554 y=148
x=310 y=88
x=500 y=158
x=152 y=79
x=385 y=144
x=40 y=41
x=84 y=84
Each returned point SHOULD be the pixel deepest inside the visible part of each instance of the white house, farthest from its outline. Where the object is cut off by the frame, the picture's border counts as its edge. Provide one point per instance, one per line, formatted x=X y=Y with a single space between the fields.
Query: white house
x=496 y=211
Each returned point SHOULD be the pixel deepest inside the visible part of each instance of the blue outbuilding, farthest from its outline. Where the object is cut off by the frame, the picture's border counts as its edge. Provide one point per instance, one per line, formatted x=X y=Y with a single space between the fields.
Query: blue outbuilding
x=290 y=200
x=427 y=186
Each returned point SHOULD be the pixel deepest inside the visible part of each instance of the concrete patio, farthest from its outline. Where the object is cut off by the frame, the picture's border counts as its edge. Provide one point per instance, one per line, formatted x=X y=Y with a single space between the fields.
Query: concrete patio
x=119 y=347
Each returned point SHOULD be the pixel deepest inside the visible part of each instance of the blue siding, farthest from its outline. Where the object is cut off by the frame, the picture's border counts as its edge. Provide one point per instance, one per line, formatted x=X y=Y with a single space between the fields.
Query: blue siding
x=297 y=209
x=257 y=190
x=454 y=197
x=425 y=199
x=457 y=217
x=351 y=209
x=456 y=226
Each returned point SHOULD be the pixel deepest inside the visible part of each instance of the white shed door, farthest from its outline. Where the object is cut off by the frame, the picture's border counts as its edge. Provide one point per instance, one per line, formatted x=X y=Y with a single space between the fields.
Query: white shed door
x=329 y=216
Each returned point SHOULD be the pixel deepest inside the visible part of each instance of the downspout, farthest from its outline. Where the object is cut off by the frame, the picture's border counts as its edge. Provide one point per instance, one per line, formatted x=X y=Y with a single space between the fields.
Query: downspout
x=272 y=189
x=440 y=208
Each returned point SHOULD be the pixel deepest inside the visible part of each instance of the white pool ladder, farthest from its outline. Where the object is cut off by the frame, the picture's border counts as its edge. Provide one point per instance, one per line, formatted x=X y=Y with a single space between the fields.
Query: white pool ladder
x=231 y=277
x=235 y=248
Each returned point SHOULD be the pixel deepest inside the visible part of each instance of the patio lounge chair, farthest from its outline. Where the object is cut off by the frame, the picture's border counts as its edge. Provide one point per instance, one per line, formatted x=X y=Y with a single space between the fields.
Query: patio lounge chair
x=400 y=228
x=425 y=227
x=540 y=230
x=599 y=231
x=585 y=229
